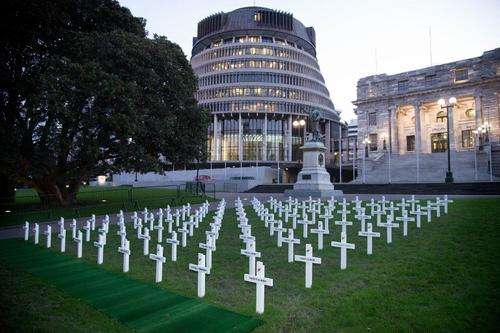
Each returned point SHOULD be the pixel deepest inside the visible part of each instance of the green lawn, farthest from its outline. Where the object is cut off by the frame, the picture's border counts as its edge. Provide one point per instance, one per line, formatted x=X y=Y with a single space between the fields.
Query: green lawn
x=93 y=200
x=444 y=277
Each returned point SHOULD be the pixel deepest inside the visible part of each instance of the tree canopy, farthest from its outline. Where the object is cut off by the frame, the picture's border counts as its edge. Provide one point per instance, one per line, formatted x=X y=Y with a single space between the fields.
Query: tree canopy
x=83 y=92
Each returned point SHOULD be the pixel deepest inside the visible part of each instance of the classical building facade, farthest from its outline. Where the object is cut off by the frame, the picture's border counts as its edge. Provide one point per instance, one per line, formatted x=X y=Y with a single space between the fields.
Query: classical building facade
x=258 y=76
x=400 y=112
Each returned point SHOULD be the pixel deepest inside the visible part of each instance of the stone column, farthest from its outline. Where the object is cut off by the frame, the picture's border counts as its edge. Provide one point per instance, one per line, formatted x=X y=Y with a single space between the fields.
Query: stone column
x=394 y=130
x=416 y=109
x=216 y=140
x=264 y=138
x=328 y=140
x=289 y=138
x=478 y=109
x=240 y=137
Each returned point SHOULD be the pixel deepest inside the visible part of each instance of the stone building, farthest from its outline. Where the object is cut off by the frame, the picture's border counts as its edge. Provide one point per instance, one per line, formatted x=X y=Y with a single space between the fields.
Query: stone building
x=400 y=116
x=258 y=76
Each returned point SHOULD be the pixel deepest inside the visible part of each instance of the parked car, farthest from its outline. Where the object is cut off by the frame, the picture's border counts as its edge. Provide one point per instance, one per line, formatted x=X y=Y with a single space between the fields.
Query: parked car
x=203 y=178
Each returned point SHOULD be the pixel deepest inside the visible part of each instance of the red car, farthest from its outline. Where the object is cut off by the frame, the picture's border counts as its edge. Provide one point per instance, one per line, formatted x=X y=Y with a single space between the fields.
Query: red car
x=202 y=178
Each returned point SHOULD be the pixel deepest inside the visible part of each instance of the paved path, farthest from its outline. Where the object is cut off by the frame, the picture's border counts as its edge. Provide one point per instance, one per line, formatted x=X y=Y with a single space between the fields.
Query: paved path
x=17 y=231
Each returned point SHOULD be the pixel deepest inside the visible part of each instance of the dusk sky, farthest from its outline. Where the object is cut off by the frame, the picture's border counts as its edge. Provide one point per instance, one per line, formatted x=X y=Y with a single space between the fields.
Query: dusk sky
x=354 y=38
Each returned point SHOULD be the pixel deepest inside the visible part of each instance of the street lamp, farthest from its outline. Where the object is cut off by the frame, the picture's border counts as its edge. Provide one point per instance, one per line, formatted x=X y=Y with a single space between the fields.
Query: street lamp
x=366 y=142
x=300 y=124
x=451 y=103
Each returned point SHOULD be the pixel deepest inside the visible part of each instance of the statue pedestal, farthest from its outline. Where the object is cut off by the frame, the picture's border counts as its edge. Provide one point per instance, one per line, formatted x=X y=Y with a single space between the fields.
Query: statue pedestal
x=313 y=180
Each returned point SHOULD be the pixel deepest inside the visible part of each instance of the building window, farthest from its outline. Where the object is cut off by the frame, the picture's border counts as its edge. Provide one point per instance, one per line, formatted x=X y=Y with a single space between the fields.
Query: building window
x=373 y=141
x=267 y=39
x=372 y=119
x=430 y=80
x=461 y=74
x=441 y=117
x=470 y=113
x=403 y=85
x=467 y=139
x=410 y=143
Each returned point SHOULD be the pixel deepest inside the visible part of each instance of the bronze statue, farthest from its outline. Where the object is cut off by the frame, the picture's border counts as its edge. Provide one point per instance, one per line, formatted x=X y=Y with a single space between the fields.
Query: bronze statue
x=315 y=135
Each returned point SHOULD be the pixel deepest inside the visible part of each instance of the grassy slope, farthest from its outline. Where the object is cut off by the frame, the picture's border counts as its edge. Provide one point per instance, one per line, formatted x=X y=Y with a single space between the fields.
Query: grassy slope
x=432 y=281
x=27 y=205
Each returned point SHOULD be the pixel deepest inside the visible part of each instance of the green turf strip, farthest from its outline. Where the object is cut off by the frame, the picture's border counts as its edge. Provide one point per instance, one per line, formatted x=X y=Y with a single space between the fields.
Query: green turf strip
x=138 y=305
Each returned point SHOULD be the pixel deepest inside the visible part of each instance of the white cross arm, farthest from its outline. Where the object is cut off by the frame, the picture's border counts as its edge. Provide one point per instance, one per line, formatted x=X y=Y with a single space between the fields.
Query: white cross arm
x=124 y=250
x=366 y=234
x=346 y=245
x=97 y=244
x=157 y=258
x=198 y=268
x=250 y=253
x=206 y=247
x=314 y=260
x=255 y=279
x=172 y=241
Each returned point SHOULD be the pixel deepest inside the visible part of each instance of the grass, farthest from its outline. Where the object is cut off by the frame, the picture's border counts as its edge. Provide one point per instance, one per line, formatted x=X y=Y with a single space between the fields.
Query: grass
x=444 y=277
x=93 y=200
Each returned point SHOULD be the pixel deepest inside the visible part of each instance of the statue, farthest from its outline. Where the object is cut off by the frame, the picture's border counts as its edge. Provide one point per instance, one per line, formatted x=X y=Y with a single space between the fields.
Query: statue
x=316 y=135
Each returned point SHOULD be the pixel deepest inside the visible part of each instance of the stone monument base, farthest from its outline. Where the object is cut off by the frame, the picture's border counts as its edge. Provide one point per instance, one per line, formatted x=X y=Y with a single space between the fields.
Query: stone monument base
x=313 y=180
x=323 y=194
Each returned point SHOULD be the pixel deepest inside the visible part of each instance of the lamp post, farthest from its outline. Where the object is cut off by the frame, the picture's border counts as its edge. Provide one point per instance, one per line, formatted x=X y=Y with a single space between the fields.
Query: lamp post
x=300 y=124
x=451 y=103
x=366 y=142
x=482 y=133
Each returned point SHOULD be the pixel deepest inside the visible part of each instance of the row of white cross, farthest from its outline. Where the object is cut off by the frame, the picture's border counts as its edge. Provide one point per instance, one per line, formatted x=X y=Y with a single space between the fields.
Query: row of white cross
x=289 y=210
x=183 y=216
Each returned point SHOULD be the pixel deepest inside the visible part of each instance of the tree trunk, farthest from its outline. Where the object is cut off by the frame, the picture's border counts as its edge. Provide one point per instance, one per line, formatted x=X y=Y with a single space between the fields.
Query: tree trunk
x=52 y=193
x=7 y=189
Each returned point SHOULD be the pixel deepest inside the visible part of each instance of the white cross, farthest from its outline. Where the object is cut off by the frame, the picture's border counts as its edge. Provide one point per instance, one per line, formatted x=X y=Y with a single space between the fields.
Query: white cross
x=26 y=229
x=343 y=249
x=445 y=202
x=202 y=269
x=61 y=223
x=48 y=233
x=160 y=260
x=125 y=250
x=184 y=232
x=174 y=242
x=320 y=231
x=362 y=217
x=62 y=237
x=436 y=206
x=79 y=242
x=392 y=209
x=309 y=260
x=405 y=220
x=372 y=205
x=389 y=225
x=208 y=247
x=251 y=254
x=291 y=241
x=412 y=201
x=418 y=213
x=327 y=216
x=247 y=235
x=279 y=230
x=260 y=281
x=87 y=228
x=160 y=228
x=145 y=236
x=100 y=249
x=169 y=221
x=344 y=224
x=378 y=212
x=428 y=211
x=122 y=233
x=305 y=222
x=36 y=231
x=369 y=234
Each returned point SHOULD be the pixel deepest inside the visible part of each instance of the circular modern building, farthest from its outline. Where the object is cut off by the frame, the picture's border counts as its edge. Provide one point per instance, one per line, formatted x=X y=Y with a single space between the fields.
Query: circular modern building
x=259 y=77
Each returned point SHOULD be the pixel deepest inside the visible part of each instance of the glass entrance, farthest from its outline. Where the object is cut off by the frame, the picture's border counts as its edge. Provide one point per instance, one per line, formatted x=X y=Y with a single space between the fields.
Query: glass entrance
x=439 y=142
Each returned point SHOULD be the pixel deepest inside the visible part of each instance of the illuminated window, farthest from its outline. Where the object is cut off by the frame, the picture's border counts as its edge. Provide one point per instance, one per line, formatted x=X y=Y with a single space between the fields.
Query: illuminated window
x=470 y=113
x=441 y=117
x=467 y=139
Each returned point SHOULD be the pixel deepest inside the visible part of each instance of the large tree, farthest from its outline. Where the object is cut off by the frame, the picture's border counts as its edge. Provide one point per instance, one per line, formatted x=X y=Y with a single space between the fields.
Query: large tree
x=83 y=92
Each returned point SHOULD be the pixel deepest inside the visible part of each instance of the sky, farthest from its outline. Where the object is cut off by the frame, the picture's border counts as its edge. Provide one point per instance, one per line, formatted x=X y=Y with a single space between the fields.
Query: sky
x=354 y=38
